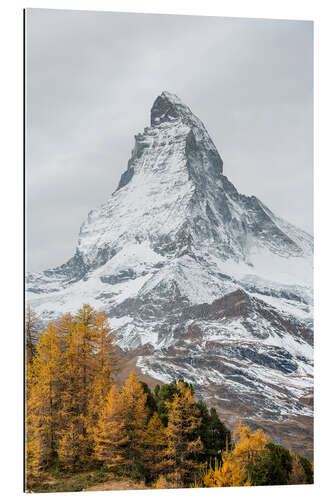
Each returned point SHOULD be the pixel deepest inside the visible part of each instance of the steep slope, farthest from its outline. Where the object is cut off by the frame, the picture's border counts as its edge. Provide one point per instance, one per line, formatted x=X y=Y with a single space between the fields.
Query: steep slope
x=201 y=281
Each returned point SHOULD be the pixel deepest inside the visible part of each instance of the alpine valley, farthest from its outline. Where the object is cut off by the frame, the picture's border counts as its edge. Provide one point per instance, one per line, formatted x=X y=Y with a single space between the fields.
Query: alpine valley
x=199 y=281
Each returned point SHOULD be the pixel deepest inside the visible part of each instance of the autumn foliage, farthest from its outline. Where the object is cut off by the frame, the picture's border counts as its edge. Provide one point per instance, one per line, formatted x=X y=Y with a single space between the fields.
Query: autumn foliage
x=120 y=431
x=253 y=461
x=78 y=419
x=68 y=380
x=183 y=442
x=234 y=469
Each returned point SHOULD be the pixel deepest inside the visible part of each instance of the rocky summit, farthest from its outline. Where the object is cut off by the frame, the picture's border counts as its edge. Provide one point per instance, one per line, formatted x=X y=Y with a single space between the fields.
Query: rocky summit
x=198 y=280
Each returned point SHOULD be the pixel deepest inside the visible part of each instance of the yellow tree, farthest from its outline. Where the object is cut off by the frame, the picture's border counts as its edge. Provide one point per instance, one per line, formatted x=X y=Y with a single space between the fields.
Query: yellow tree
x=84 y=337
x=105 y=364
x=183 y=447
x=44 y=390
x=249 y=445
x=236 y=464
x=120 y=430
x=67 y=383
x=155 y=443
x=110 y=434
x=90 y=362
x=228 y=473
x=74 y=449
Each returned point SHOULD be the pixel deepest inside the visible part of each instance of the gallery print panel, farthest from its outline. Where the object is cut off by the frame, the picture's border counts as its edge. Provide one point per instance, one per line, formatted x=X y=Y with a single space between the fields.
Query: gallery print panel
x=169 y=251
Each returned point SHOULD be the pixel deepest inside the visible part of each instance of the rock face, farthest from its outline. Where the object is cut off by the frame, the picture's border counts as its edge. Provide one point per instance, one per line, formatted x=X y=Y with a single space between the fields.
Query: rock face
x=201 y=281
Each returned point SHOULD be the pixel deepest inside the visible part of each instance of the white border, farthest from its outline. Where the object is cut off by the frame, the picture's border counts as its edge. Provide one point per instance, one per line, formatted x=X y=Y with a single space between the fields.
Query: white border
x=11 y=230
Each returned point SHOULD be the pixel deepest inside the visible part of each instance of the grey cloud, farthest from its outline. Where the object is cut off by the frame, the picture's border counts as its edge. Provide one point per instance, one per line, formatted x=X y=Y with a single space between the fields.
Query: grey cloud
x=92 y=78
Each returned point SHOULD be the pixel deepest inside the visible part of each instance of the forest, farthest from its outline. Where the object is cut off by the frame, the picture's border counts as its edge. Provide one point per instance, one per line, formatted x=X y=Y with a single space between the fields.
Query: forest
x=84 y=427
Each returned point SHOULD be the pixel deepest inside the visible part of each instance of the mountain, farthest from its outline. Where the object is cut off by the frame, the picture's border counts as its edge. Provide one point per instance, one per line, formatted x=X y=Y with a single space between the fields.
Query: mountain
x=199 y=281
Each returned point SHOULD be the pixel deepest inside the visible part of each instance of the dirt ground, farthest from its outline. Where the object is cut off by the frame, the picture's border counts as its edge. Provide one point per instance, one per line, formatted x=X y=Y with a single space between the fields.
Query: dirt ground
x=118 y=485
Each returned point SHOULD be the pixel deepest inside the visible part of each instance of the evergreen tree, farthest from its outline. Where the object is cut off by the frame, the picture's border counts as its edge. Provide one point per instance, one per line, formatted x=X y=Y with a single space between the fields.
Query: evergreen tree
x=213 y=433
x=165 y=394
x=308 y=468
x=151 y=402
x=274 y=466
x=301 y=471
x=31 y=333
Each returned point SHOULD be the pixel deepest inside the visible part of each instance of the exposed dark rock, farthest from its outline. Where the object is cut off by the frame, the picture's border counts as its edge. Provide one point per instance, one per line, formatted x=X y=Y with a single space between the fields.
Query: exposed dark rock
x=126 y=177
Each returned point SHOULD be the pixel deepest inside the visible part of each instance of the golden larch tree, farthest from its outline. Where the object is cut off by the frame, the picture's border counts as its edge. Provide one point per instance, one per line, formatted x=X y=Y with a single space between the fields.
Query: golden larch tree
x=106 y=364
x=183 y=445
x=119 y=434
x=155 y=443
x=67 y=382
x=44 y=390
x=234 y=469
x=91 y=361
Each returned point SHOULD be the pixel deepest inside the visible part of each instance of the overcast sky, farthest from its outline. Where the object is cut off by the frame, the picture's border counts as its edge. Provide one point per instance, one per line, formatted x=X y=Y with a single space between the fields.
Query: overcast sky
x=92 y=78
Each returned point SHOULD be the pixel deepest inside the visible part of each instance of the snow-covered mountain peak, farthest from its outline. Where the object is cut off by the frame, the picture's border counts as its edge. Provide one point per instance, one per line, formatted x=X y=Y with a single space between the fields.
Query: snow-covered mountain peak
x=174 y=196
x=202 y=282
x=168 y=107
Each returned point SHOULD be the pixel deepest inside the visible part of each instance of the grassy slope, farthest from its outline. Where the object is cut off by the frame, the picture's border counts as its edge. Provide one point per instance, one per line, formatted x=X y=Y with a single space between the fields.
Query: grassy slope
x=95 y=480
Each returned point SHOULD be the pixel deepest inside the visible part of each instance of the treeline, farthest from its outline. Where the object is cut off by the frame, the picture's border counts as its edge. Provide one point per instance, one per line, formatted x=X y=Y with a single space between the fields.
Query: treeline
x=77 y=419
